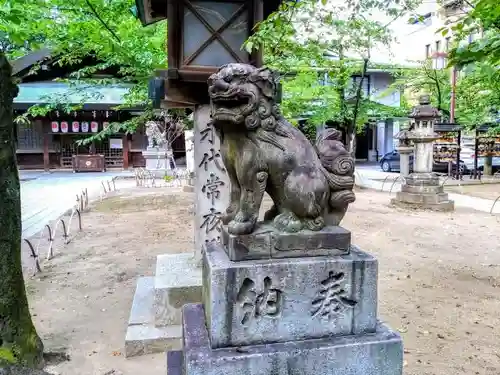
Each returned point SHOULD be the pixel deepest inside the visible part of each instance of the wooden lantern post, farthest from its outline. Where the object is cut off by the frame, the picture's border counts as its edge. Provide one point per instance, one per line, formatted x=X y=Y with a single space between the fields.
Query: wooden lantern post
x=202 y=36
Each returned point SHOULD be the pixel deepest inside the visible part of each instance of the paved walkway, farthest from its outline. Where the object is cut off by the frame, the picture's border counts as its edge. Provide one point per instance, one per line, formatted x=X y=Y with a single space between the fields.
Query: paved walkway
x=47 y=196
x=373 y=178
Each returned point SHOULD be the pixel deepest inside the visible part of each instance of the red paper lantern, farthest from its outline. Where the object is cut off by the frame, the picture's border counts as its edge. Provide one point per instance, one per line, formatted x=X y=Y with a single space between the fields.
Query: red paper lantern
x=64 y=127
x=105 y=124
x=94 y=126
x=55 y=126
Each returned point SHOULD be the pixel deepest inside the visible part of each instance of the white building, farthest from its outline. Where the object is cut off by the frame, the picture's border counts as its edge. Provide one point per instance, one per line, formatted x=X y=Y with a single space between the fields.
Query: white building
x=413 y=42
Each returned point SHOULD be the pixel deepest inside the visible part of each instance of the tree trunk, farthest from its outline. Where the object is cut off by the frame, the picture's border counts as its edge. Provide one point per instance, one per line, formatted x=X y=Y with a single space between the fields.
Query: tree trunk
x=351 y=130
x=19 y=341
x=488 y=165
x=351 y=141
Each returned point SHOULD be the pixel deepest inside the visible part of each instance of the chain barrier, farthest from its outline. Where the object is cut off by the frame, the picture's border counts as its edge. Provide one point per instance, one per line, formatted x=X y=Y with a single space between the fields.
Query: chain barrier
x=64 y=226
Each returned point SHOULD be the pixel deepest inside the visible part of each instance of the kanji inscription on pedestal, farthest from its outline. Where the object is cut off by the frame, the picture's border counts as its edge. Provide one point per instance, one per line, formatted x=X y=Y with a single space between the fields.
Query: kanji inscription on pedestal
x=212 y=184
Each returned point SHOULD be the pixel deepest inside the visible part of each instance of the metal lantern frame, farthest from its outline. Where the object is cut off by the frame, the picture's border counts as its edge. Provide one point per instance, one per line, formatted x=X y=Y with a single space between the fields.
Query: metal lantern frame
x=184 y=82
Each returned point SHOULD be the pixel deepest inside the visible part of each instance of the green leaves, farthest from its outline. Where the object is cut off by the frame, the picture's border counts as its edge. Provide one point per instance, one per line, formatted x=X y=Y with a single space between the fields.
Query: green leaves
x=310 y=40
x=75 y=30
x=484 y=16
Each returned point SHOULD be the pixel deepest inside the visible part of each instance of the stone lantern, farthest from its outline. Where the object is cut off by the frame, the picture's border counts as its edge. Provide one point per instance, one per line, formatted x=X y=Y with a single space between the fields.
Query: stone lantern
x=421 y=188
x=405 y=149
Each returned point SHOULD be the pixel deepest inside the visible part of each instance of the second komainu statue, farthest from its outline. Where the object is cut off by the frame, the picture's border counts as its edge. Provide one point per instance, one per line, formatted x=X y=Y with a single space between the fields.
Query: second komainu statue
x=310 y=185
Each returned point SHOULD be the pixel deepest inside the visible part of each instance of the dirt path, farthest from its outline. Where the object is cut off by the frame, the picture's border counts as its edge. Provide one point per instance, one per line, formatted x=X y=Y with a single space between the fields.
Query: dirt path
x=438 y=285
x=82 y=300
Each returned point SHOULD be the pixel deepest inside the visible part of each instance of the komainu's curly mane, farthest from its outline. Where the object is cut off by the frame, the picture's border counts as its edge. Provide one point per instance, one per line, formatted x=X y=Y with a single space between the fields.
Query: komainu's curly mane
x=311 y=185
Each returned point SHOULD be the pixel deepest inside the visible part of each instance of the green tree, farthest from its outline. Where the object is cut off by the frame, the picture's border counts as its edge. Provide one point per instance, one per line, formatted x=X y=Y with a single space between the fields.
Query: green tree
x=424 y=79
x=19 y=341
x=483 y=18
x=309 y=41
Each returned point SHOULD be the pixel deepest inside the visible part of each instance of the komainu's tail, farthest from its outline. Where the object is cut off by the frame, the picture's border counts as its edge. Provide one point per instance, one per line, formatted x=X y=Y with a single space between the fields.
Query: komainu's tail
x=338 y=167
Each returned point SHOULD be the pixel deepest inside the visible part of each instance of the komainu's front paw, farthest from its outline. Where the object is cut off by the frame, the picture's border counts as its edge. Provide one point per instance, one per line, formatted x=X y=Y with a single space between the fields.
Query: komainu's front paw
x=229 y=214
x=242 y=224
x=287 y=222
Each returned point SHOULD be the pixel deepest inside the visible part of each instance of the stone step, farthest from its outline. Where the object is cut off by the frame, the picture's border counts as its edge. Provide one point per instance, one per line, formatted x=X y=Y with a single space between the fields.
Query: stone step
x=177 y=282
x=147 y=339
x=141 y=312
x=377 y=353
x=142 y=336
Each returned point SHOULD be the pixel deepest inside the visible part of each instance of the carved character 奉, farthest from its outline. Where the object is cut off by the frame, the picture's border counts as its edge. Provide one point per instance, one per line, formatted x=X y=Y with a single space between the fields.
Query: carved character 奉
x=311 y=186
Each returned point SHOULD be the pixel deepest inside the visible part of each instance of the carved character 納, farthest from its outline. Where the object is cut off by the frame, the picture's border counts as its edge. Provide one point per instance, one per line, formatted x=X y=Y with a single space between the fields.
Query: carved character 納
x=256 y=305
x=311 y=186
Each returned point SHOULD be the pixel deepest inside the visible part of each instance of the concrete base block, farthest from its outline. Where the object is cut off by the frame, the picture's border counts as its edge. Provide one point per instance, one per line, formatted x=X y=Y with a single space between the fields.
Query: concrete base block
x=445 y=206
x=422 y=179
x=426 y=197
x=423 y=189
x=142 y=336
x=278 y=300
x=379 y=353
x=177 y=282
x=266 y=242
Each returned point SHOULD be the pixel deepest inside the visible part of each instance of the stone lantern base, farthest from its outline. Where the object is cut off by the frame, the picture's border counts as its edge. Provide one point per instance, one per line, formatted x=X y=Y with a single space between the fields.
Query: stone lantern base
x=423 y=191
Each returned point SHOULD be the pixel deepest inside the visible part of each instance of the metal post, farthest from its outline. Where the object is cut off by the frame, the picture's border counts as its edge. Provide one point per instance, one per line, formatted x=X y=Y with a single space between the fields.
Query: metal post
x=453 y=92
x=476 y=150
x=459 y=142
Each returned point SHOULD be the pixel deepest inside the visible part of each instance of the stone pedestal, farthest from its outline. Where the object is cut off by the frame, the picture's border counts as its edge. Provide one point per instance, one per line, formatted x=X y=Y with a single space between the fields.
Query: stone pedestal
x=310 y=312
x=157 y=162
x=423 y=191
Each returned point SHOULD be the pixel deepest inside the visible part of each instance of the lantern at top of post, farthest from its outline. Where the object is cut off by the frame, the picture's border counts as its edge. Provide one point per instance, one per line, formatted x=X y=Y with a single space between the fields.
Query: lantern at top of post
x=202 y=36
x=424 y=116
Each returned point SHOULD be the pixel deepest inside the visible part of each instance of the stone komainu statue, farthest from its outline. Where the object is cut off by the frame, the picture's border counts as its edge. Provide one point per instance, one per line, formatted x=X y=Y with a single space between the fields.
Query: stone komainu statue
x=156 y=138
x=311 y=186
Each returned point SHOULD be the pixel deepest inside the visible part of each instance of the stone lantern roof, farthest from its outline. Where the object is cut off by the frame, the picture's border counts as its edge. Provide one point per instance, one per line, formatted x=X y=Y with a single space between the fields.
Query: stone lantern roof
x=404 y=137
x=424 y=109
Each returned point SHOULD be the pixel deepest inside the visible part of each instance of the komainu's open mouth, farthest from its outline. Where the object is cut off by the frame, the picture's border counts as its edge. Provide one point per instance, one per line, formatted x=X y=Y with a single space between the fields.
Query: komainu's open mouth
x=230 y=102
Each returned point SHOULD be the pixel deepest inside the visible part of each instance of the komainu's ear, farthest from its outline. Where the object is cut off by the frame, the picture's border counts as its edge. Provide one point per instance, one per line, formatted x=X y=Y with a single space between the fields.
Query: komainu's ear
x=266 y=80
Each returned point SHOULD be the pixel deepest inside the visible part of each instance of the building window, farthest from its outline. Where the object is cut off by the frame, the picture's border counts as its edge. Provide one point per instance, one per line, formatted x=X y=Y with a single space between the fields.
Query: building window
x=427 y=51
x=438 y=46
x=447 y=44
